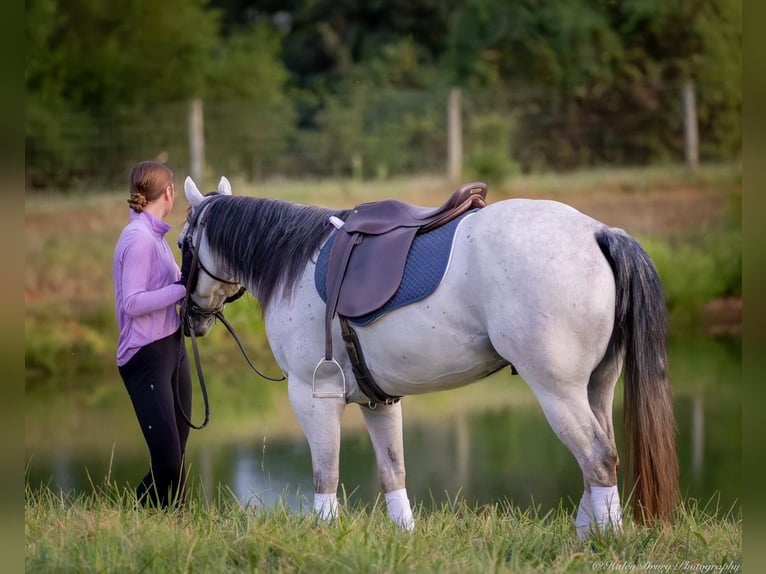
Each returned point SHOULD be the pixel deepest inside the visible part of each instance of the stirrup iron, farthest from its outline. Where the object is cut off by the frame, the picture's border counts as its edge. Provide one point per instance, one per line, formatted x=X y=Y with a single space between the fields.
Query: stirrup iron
x=326 y=372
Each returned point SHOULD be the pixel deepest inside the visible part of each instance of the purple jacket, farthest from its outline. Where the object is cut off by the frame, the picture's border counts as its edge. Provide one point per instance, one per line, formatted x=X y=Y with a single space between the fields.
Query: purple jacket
x=145 y=294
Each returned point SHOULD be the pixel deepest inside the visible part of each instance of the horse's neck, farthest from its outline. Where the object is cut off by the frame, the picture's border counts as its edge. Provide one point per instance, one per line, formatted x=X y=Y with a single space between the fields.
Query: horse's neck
x=287 y=296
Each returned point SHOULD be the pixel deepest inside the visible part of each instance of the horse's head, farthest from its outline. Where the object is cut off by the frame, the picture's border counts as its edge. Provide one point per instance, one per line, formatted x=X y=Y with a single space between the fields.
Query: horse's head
x=209 y=285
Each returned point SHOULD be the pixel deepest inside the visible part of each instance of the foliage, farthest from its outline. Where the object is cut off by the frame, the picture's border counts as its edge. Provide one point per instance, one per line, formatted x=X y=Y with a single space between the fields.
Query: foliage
x=374 y=133
x=588 y=83
x=694 y=273
x=600 y=82
x=249 y=119
x=116 y=89
x=489 y=158
x=106 y=531
x=62 y=347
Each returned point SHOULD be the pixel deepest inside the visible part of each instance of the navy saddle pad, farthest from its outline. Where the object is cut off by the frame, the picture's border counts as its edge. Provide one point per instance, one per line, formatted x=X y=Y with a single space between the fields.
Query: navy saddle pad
x=426 y=264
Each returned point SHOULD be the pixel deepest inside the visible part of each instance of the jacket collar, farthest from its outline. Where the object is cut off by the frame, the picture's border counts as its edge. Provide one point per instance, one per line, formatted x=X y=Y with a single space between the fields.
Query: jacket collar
x=157 y=226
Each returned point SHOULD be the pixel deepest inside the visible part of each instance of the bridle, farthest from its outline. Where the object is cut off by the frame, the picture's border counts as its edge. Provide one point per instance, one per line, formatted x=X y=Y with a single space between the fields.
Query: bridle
x=190 y=268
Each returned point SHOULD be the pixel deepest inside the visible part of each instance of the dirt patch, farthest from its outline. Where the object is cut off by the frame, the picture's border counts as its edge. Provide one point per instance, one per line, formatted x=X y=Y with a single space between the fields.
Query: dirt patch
x=723 y=316
x=655 y=212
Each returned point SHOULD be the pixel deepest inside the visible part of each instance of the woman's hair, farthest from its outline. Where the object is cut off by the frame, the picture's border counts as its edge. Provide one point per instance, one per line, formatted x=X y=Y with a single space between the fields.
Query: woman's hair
x=148 y=181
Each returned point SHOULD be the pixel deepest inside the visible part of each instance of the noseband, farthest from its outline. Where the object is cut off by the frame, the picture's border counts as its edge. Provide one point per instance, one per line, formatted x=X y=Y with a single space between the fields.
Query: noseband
x=189 y=279
x=191 y=265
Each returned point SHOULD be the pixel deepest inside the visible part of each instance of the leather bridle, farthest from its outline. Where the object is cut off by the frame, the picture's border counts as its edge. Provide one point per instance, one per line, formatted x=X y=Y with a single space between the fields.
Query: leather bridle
x=190 y=268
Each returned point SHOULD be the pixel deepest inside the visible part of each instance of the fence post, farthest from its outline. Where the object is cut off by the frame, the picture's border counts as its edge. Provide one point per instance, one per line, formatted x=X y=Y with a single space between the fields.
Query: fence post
x=454 y=136
x=196 y=142
x=691 y=137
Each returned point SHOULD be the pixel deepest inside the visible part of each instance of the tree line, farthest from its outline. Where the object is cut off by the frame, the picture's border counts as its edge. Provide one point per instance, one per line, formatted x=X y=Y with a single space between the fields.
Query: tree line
x=359 y=87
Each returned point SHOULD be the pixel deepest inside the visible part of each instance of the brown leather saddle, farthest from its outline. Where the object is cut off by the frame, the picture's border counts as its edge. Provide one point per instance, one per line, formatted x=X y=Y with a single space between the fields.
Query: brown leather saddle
x=367 y=261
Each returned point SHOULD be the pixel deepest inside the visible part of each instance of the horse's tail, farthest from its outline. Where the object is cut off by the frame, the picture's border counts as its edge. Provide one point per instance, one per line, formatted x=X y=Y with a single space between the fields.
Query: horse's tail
x=640 y=331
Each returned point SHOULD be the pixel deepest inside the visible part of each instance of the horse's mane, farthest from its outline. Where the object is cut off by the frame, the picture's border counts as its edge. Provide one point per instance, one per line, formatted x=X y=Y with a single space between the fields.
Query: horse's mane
x=267 y=243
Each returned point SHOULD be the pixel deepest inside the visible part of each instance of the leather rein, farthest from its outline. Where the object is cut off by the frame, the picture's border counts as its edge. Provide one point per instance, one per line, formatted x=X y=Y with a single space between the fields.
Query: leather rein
x=189 y=307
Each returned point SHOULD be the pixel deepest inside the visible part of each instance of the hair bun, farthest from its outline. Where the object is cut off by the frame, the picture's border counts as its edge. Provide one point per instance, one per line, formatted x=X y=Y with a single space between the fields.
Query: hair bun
x=137 y=201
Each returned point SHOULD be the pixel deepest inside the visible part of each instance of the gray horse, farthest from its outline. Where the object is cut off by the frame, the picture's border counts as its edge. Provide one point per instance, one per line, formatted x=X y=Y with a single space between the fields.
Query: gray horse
x=565 y=299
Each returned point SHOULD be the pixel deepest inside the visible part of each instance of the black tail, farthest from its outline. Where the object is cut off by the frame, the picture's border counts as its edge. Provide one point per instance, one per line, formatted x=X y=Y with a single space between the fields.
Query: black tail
x=640 y=332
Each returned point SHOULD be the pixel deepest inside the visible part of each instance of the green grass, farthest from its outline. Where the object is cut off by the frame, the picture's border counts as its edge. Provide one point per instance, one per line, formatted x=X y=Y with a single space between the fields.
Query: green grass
x=723 y=177
x=107 y=532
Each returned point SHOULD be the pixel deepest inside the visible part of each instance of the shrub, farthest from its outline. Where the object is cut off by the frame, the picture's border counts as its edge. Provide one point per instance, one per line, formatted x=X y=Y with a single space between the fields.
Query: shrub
x=694 y=273
x=489 y=157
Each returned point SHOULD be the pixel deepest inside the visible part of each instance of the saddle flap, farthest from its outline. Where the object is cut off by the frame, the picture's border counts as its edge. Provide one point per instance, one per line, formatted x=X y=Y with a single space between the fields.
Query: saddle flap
x=374 y=271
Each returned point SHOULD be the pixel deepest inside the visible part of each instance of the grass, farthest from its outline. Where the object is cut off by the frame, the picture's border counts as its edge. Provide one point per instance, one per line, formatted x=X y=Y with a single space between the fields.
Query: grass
x=630 y=179
x=106 y=531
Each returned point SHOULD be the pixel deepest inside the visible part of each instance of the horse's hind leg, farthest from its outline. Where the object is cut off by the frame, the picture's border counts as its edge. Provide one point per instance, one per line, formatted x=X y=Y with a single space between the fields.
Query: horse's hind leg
x=320 y=420
x=384 y=423
x=601 y=387
x=572 y=419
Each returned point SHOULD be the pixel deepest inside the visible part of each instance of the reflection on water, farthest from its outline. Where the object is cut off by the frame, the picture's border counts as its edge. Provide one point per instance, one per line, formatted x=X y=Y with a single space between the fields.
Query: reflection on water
x=483 y=456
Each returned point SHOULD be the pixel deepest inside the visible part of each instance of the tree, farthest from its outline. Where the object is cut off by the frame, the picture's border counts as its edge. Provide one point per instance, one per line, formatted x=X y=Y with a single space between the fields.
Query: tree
x=249 y=117
x=108 y=84
x=96 y=74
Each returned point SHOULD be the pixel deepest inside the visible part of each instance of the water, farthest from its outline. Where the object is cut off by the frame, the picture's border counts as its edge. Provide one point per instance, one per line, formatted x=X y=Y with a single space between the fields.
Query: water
x=485 y=455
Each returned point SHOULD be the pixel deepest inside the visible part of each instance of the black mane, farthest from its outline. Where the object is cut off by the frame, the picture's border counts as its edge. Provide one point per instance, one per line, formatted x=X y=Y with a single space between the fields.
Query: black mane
x=265 y=242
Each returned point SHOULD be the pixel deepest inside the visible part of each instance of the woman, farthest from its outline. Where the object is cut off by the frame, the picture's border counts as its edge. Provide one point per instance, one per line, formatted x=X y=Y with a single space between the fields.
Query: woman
x=151 y=356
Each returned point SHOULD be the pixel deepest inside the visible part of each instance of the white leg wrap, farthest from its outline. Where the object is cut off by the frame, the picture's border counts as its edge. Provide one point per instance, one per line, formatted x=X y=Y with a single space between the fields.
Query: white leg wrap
x=584 y=518
x=326 y=505
x=607 y=512
x=399 y=509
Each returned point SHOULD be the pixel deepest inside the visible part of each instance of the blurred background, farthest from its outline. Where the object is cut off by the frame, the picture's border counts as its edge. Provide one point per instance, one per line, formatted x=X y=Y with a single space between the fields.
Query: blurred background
x=629 y=110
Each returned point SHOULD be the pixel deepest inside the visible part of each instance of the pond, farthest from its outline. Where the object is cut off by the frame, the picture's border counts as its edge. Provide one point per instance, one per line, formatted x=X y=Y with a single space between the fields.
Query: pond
x=482 y=451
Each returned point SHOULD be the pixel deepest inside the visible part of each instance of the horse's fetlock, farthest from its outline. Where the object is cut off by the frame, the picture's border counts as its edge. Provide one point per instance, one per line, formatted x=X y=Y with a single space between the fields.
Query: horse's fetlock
x=390 y=481
x=326 y=483
x=610 y=459
x=604 y=470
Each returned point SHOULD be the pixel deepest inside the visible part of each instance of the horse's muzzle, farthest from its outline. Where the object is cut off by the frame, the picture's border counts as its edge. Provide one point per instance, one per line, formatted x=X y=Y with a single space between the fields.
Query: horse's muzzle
x=200 y=325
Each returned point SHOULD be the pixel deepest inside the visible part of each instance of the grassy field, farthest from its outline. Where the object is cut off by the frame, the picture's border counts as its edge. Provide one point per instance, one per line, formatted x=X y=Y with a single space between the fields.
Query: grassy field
x=107 y=532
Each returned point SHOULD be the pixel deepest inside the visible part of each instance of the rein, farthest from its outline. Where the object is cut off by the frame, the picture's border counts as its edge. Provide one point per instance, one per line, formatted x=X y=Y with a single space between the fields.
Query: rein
x=188 y=306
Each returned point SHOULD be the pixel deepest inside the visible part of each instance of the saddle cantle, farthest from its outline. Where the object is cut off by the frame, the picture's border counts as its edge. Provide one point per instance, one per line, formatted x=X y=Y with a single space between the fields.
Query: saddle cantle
x=367 y=261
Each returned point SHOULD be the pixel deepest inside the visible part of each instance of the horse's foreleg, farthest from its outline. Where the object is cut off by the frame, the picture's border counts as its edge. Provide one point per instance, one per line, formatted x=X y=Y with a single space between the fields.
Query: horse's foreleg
x=384 y=423
x=320 y=420
x=573 y=421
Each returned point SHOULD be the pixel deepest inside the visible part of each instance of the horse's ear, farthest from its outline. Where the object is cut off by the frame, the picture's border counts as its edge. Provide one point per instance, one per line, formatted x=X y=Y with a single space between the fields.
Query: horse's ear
x=192 y=193
x=224 y=187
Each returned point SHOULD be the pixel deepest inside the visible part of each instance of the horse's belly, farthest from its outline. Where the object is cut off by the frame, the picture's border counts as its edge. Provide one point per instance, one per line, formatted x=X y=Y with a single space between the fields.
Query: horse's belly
x=409 y=354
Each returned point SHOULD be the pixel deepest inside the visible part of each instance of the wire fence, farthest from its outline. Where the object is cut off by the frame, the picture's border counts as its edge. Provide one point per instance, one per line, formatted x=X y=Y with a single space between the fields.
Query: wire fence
x=367 y=134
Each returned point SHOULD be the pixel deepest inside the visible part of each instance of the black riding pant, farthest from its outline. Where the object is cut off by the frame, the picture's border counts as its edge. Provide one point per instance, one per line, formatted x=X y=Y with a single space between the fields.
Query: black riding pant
x=158 y=381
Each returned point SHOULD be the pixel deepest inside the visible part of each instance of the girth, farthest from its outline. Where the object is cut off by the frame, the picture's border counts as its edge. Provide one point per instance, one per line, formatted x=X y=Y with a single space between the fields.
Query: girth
x=367 y=261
